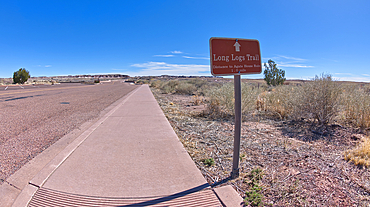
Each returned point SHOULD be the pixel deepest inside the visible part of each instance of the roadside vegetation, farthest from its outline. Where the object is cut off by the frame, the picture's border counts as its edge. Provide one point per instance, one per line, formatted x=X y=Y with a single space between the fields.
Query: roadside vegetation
x=321 y=101
x=291 y=132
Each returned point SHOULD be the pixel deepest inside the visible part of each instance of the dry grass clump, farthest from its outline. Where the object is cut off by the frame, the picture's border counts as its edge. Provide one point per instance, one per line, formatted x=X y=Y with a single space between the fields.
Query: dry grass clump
x=316 y=100
x=186 y=88
x=194 y=86
x=198 y=100
x=280 y=101
x=319 y=99
x=222 y=100
x=156 y=83
x=249 y=97
x=361 y=154
x=356 y=106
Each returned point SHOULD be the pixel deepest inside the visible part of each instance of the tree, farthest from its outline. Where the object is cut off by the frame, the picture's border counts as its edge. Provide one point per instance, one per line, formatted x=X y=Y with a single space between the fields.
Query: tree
x=273 y=75
x=21 y=76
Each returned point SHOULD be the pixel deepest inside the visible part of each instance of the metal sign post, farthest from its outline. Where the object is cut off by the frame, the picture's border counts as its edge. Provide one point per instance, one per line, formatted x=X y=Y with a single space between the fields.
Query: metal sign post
x=238 y=125
x=230 y=56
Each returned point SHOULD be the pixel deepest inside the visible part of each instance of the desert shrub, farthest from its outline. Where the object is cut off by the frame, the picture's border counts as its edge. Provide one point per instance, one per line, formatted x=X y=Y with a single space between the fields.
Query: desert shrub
x=319 y=99
x=169 y=86
x=215 y=110
x=194 y=86
x=249 y=97
x=205 y=88
x=222 y=99
x=156 y=83
x=186 y=88
x=201 y=85
x=198 y=83
x=142 y=81
x=281 y=100
x=221 y=102
x=361 y=154
x=356 y=106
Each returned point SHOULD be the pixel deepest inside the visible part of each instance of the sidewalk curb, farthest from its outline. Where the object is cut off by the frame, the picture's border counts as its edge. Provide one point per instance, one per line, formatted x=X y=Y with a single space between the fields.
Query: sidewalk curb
x=228 y=196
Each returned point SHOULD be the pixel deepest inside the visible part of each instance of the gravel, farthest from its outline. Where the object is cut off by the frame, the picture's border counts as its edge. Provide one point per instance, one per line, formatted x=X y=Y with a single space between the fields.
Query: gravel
x=300 y=167
x=33 y=119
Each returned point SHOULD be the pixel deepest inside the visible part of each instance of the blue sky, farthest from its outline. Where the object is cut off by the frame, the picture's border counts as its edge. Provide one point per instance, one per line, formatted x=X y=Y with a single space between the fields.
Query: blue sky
x=305 y=38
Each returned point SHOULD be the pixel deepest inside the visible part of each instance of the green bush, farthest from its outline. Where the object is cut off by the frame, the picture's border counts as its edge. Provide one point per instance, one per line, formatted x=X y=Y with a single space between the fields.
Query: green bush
x=273 y=75
x=21 y=76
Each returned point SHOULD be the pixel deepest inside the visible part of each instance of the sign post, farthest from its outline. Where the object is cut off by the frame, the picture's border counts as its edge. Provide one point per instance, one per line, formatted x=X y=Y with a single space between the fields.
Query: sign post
x=238 y=125
x=230 y=56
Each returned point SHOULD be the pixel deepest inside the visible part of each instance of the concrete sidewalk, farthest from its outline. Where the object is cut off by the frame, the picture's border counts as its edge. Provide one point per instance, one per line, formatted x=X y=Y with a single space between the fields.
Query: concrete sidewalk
x=130 y=157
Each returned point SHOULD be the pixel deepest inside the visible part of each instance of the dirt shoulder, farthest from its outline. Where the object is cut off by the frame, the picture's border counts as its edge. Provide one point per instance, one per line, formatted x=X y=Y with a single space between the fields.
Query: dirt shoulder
x=301 y=165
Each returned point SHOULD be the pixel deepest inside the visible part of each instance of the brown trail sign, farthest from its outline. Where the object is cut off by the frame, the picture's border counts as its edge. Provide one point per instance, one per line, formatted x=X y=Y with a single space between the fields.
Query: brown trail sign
x=231 y=56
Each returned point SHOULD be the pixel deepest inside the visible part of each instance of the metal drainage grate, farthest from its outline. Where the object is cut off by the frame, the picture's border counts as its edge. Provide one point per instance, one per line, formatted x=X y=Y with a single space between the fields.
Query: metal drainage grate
x=47 y=197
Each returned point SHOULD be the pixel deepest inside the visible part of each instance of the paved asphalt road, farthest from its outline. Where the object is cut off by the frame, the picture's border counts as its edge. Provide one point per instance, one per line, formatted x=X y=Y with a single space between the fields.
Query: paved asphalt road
x=34 y=117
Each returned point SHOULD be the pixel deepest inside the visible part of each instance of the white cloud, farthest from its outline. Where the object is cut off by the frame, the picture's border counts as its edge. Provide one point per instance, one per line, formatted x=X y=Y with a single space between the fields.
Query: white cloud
x=353 y=78
x=287 y=65
x=163 y=55
x=201 y=58
x=289 y=62
x=291 y=58
x=162 y=68
x=176 y=52
x=47 y=66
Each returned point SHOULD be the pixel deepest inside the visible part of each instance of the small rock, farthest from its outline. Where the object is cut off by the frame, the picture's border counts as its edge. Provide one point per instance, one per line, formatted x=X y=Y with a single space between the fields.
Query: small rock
x=294 y=172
